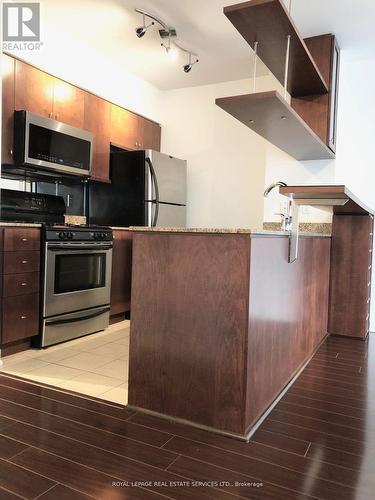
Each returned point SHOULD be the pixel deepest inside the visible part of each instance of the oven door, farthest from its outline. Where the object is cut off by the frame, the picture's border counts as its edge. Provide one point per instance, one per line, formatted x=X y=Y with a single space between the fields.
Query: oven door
x=77 y=276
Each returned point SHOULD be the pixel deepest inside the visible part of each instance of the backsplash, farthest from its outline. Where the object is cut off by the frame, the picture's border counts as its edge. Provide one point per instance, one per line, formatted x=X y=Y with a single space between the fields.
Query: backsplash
x=304 y=227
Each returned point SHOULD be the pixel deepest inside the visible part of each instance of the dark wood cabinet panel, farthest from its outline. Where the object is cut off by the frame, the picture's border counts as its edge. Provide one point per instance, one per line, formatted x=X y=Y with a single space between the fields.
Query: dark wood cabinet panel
x=68 y=103
x=20 y=318
x=121 y=272
x=8 y=90
x=124 y=128
x=351 y=275
x=319 y=111
x=256 y=319
x=98 y=121
x=33 y=89
x=149 y=134
x=18 y=239
x=21 y=262
x=20 y=284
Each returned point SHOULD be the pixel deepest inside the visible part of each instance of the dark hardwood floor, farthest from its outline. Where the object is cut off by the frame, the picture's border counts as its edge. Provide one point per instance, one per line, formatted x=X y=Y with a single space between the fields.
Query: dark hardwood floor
x=318 y=442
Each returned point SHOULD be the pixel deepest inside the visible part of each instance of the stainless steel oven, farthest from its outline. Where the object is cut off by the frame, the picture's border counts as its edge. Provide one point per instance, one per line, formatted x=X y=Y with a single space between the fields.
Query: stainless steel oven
x=77 y=282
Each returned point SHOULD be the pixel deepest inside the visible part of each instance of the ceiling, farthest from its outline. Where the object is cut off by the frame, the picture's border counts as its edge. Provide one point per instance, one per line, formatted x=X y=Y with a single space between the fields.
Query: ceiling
x=109 y=28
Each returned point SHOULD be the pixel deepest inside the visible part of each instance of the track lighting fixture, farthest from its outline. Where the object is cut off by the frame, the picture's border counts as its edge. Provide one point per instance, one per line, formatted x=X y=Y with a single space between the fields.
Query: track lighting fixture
x=188 y=67
x=166 y=32
x=171 y=51
x=141 y=31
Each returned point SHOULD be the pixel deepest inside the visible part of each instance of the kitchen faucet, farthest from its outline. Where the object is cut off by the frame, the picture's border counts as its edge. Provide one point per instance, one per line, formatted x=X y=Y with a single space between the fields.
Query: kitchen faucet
x=287 y=219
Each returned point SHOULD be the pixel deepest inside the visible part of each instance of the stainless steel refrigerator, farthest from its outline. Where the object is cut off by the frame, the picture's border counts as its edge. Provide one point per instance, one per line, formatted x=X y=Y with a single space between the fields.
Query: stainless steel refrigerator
x=147 y=188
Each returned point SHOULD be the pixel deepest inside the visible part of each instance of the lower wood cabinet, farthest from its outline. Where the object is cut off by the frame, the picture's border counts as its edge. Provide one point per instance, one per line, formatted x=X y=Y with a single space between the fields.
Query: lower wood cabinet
x=20 y=278
x=351 y=266
x=20 y=317
x=121 y=272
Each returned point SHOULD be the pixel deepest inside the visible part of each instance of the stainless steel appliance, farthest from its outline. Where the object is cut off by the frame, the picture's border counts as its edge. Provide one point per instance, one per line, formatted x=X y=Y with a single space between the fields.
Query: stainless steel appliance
x=76 y=282
x=44 y=143
x=147 y=188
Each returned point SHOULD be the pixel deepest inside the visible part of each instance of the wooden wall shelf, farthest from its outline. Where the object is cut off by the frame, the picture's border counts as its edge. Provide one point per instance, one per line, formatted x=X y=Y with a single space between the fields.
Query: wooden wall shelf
x=268 y=22
x=354 y=206
x=269 y=115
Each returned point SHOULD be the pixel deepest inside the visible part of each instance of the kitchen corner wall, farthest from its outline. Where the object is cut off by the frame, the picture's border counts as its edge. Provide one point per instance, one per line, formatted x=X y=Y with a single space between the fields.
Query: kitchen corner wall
x=226 y=161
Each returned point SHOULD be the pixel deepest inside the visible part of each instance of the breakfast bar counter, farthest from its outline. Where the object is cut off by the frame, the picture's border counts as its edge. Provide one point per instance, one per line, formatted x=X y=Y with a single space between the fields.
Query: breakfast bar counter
x=222 y=322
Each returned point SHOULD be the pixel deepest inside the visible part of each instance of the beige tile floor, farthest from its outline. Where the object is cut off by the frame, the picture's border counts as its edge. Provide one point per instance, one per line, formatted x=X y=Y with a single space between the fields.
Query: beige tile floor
x=96 y=365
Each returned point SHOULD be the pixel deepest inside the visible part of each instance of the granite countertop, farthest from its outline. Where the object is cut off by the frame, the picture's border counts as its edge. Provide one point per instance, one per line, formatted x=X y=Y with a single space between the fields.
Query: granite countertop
x=251 y=232
x=121 y=228
x=19 y=224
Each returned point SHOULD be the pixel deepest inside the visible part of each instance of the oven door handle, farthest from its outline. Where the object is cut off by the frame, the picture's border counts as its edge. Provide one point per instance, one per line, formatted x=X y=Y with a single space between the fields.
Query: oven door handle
x=79 y=318
x=66 y=248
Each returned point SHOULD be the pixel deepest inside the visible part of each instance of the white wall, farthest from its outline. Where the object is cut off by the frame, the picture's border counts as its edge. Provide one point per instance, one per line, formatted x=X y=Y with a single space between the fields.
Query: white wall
x=226 y=160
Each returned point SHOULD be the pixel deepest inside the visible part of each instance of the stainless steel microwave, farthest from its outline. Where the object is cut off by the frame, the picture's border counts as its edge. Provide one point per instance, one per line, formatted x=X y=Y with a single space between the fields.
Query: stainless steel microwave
x=44 y=143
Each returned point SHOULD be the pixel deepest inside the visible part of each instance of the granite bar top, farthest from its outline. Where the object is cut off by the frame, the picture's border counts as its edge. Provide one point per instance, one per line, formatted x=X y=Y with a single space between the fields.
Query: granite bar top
x=251 y=232
x=19 y=224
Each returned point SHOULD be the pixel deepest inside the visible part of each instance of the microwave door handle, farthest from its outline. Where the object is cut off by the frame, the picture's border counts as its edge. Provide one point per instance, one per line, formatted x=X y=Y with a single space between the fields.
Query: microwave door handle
x=156 y=188
x=79 y=318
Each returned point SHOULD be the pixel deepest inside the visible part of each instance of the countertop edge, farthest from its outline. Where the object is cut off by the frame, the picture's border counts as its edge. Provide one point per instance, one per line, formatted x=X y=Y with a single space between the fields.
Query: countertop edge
x=223 y=231
x=19 y=224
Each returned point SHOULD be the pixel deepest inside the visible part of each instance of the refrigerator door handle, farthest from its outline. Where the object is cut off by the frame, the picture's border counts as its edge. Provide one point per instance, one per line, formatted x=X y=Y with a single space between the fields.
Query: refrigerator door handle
x=156 y=188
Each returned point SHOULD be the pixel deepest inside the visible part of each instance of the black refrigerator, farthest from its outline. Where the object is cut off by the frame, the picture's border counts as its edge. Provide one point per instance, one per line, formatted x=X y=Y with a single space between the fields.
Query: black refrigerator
x=147 y=188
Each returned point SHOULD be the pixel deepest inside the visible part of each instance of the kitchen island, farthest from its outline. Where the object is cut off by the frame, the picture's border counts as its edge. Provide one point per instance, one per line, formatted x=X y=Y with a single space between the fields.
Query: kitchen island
x=221 y=322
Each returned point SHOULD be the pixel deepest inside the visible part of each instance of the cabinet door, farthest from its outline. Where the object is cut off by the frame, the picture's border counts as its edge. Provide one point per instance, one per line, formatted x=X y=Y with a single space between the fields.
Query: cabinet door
x=8 y=64
x=98 y=121
x=33 y=90
x=68 y=103
x=121 y=272
x=20 y=317
x=124 y=128
x=149 y=134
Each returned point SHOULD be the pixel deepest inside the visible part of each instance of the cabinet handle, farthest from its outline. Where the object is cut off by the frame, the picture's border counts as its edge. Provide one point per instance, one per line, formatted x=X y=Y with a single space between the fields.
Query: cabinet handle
x=50 y=114
x=23 y=317
x=24 y=262
x=57 y=116
x=24 y=239
x=11 y=152
x=23 y=284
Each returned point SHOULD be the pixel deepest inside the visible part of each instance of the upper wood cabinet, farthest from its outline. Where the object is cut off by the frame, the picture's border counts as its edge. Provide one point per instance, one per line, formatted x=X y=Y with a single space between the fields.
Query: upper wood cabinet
x=45 y=95
x=7 y=110
x=33 y=90
x=132 y=131
x=150 y=135
x=28 y=88
x=98 y=120
x=68 y=103
x=124 y=128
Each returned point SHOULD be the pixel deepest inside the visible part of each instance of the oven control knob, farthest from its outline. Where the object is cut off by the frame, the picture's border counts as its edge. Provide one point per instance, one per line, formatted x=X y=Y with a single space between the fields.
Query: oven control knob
x=69 y=236
x=62 y=236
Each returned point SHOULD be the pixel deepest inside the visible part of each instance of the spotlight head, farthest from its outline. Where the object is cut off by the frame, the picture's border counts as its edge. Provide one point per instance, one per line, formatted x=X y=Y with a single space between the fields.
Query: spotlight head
x=141 y=31
x=188 y=67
